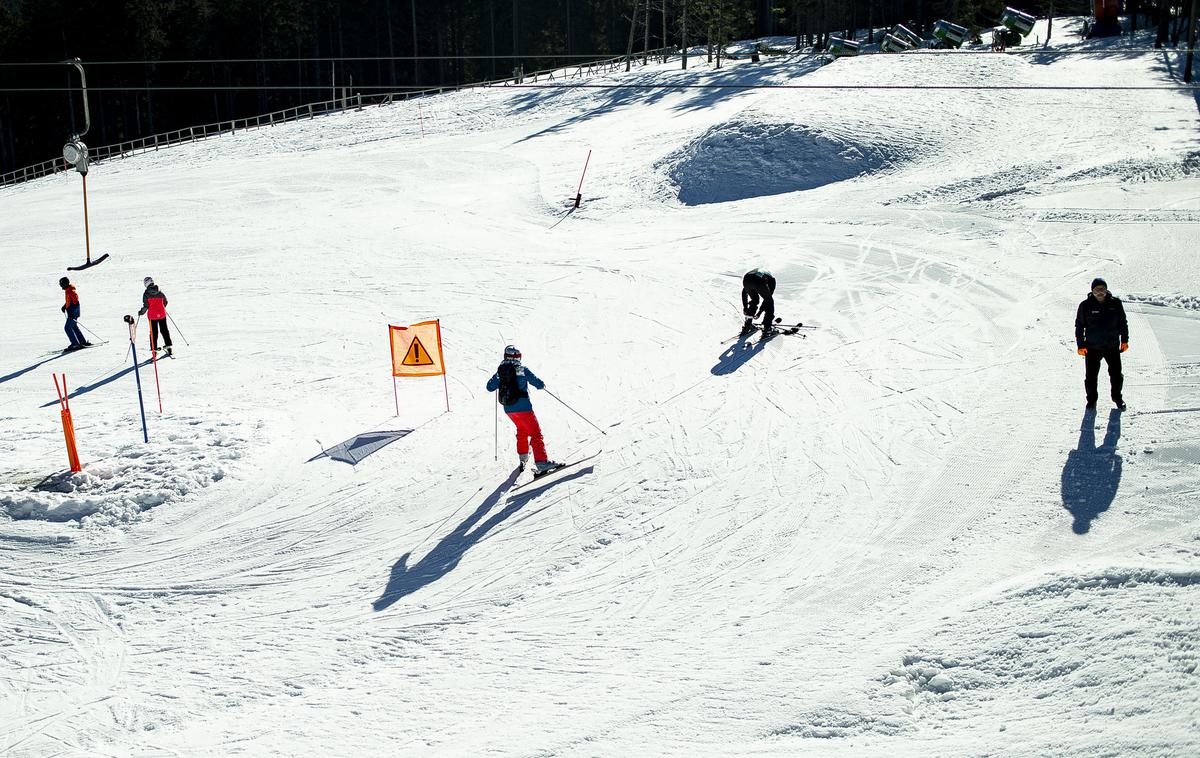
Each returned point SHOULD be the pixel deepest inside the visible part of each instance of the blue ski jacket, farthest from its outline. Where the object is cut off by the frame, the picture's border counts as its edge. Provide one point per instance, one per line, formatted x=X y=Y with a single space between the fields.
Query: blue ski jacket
x=525 y=377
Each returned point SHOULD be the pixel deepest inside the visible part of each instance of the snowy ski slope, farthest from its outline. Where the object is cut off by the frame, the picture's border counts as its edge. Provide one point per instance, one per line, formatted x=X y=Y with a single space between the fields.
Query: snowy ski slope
x=898 y=534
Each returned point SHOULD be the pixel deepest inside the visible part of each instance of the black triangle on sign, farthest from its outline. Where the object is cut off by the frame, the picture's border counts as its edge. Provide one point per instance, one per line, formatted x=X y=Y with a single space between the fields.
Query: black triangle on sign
x=417 y=355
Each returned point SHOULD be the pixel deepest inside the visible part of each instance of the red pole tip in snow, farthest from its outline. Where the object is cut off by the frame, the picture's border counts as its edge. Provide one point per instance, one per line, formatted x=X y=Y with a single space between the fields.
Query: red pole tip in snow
x=579 y=191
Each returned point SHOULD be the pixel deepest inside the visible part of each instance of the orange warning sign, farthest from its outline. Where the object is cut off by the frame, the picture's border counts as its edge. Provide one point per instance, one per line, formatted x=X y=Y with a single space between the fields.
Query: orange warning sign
x=417 y=355
x=417 y=349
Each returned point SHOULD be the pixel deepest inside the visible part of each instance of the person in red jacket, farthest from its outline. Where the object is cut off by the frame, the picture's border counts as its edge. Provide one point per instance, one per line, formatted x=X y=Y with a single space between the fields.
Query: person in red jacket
x=154 y=307
x=71 y=308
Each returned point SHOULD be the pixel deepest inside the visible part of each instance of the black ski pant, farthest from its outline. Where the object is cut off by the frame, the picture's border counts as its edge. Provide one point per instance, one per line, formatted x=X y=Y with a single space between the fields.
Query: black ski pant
x=158 y=325
x=753 y=289
x=1091 y=362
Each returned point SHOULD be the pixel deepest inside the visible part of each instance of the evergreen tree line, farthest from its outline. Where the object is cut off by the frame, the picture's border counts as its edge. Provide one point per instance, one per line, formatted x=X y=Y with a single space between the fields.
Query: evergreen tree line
x=473 y=40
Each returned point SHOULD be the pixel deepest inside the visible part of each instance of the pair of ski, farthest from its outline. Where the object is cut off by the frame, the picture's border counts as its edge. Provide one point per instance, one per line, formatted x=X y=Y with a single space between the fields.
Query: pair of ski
x=65 y=351
x=543 y=477
x=776 y=328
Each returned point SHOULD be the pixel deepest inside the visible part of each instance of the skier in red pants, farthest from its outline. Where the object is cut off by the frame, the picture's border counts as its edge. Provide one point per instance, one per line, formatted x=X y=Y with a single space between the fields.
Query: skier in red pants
x=513 y=380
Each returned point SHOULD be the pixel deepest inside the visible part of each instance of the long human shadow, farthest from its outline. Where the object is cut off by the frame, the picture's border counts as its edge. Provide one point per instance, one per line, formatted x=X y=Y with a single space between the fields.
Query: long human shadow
x=1092 y=474
x=405 y=579
x=22 y=372
x=84 y=389
x=737 y=355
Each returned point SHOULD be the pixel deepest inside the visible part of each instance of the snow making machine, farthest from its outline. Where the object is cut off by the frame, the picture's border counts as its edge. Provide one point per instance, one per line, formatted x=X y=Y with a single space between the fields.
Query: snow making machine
x=893 y=44
x=842 y=47
x=1017 y=24
x=899 y=39
x=949 y=35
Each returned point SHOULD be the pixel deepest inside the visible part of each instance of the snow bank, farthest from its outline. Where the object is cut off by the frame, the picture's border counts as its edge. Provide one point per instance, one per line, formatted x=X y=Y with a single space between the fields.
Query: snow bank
x=1136 y=171
x=1103 y=645
x=116 y=490
x=749 y=157
x=1187 y=302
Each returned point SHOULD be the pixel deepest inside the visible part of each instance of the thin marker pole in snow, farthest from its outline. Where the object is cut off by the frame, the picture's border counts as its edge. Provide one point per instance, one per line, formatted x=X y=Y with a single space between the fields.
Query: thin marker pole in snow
x=579 y=192
x=137 y=374
x=154 y=360
x=396 y=392
x=442 y=355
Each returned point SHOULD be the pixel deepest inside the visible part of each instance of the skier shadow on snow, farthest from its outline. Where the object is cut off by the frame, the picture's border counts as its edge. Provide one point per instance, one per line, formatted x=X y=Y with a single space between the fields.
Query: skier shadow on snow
x=23 y=371
x=1092 y=474
x=96 y=385
x=444 y=557
x=737 y=355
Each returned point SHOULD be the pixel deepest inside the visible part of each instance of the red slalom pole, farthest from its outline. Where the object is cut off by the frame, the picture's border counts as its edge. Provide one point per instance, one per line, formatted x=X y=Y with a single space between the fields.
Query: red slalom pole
x=154 y=360
x=68 y=424
x=579 y=192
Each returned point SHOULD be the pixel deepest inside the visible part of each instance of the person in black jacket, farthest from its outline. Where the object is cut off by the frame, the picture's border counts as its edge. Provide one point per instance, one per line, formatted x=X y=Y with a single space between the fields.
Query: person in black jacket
x=758 y=285
x=1102 y=333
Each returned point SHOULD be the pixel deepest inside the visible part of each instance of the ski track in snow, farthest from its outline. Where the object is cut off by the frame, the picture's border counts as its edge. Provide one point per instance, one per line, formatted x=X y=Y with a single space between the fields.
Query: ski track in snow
x=870 y=537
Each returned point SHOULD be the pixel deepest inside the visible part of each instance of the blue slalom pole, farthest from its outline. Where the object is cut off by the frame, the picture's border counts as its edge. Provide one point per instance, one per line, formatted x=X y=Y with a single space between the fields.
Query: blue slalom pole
x=137 y=375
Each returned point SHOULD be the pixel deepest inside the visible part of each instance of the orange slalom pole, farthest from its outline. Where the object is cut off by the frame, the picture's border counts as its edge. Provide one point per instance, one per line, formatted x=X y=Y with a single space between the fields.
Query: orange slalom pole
x=68 y=424
x=154 y=360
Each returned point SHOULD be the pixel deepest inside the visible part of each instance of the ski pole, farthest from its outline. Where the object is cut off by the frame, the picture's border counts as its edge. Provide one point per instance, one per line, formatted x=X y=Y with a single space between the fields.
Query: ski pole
x=496 y=436
x=89 y=331
x=176 y=328
x=577 y=413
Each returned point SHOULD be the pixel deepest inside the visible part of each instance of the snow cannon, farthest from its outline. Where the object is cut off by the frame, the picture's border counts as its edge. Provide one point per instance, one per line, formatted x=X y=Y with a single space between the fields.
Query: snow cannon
x=893 y=44
x=1017 y=21
x=948 y=34
x=840 y=46
x=908 y=35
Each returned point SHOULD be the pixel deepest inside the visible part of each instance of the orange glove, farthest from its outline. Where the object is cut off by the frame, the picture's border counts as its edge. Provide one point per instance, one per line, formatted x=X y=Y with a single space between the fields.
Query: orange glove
x=1124 y=346
x=1082 y=351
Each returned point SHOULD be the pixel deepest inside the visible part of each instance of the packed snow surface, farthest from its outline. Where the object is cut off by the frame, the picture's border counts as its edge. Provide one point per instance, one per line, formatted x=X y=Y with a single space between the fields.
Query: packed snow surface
x=896 y=532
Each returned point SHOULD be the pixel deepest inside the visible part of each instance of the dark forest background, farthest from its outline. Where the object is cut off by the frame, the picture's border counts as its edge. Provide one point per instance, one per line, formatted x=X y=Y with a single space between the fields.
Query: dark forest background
x=165 y=43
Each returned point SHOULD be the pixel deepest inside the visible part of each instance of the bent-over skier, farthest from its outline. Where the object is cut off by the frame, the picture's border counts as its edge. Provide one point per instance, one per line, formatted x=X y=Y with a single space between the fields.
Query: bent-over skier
x=758 y=285
x=512 y=380
x=154 y=307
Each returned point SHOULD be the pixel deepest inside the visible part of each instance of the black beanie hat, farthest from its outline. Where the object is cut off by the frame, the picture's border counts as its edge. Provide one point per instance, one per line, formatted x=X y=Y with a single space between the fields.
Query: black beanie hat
x=64 y=282
x=1098 y=281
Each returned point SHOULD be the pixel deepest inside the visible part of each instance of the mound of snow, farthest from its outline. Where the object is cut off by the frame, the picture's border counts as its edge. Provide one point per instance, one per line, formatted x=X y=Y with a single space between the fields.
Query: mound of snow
x=117 y=489
x=748 y=157
x=1071 y=647
x=1187 y=302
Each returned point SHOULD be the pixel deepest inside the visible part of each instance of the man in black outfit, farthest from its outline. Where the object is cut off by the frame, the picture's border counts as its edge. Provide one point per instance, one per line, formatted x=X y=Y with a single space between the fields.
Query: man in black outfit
x=1102 y=333
x=758 y=285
